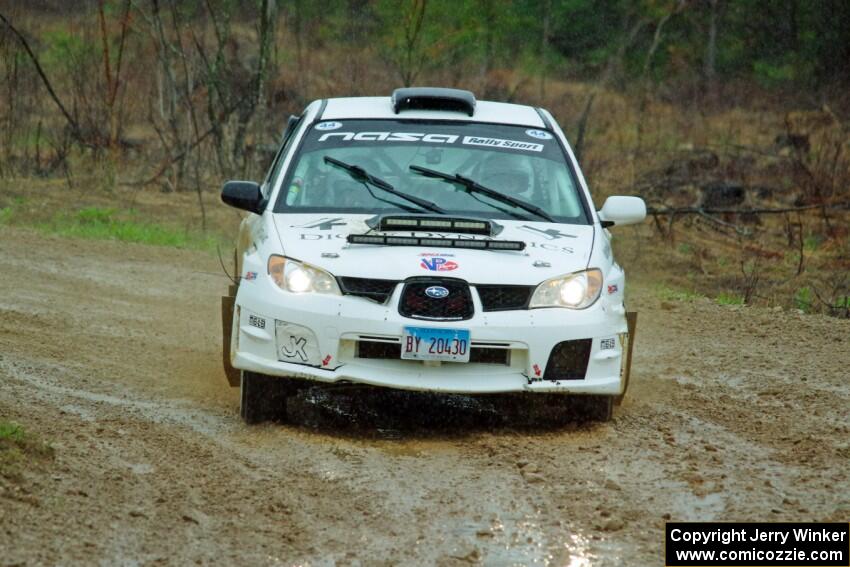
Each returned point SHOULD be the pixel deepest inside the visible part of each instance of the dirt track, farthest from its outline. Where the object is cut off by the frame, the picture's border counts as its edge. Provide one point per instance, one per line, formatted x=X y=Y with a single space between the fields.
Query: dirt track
x=110 y=352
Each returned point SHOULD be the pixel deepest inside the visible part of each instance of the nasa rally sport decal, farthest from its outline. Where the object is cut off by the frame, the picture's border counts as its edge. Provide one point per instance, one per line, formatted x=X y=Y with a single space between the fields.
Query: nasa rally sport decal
x=434 y=138
x=539 y=134
x=328 y=125
x=438 y=264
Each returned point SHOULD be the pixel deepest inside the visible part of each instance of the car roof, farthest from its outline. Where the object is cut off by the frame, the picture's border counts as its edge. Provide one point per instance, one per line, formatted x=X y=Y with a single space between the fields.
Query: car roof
x=380 y=107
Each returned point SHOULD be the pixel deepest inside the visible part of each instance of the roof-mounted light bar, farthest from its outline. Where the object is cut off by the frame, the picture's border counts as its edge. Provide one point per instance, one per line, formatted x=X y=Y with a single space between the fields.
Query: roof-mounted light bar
x=383 y=240
x=432 y=98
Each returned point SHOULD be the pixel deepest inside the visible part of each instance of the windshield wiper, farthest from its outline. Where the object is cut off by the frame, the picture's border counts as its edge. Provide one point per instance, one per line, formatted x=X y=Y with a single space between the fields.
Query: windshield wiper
x=472 y=186
x=360 y=174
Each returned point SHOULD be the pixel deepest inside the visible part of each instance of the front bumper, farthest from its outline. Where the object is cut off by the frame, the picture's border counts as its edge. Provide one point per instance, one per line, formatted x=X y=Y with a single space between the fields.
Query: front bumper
x=337 y=323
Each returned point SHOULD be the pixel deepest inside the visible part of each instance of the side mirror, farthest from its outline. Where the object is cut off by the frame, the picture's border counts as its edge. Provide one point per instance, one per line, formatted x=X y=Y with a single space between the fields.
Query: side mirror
x=622 y=210
x=245 y=195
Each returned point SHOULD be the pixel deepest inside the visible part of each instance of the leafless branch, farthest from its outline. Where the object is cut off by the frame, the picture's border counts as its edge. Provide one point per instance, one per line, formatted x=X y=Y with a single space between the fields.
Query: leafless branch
x=182 y=154
x=75 y=127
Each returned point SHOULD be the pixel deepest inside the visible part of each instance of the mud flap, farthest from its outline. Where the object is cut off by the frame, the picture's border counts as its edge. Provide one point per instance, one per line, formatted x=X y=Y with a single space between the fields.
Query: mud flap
x=631 y=323
x=227 y=303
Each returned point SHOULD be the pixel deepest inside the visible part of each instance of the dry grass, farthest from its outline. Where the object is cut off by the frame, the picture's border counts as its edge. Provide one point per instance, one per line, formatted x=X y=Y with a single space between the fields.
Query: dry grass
x=20 y=450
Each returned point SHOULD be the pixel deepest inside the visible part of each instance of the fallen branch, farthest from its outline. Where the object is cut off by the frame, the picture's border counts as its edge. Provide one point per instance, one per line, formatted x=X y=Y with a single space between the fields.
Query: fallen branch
x=741 y=231
x=834 y=307
x=749 y=149
x=764 y=211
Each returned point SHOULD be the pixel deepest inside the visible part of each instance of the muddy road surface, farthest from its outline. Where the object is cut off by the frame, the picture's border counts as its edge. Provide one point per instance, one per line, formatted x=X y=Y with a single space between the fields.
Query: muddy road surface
x=110 y=352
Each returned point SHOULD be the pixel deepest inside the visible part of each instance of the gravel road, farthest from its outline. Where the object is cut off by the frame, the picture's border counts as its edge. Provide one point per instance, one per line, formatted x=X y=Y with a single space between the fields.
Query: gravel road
x=110 y=352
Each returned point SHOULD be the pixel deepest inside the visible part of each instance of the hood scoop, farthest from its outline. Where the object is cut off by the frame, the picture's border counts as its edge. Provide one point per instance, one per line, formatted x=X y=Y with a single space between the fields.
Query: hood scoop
x=420 y=223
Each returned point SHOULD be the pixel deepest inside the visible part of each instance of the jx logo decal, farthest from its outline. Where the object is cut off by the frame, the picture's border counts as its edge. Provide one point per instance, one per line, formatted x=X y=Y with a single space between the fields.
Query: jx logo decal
x=295 y=348
x=438 y=264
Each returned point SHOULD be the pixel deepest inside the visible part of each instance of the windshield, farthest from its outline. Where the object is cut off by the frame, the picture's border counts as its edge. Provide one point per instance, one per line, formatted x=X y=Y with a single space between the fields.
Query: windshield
x=523 y=163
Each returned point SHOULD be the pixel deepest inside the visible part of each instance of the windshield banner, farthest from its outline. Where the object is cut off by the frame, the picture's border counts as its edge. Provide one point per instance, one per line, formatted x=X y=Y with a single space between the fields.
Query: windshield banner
x=511 y=139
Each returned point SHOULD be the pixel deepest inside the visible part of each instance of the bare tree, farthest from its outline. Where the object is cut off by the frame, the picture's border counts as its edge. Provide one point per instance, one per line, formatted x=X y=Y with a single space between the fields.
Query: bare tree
x=406 y=52
x=71 y=120
x=544 y=45
x=678 y=6
x=113 y=77
x=711 y=47
x=259 y=74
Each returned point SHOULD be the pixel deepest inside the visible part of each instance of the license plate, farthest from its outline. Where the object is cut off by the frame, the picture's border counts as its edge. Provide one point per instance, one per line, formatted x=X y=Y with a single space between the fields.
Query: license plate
x=422 y=343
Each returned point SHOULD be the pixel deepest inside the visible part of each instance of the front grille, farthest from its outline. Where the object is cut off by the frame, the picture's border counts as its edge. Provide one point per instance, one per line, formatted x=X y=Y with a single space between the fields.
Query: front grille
x=504 y=297
x=568 y=360
x=376 y=290
x=455 y=306
x=477 y=355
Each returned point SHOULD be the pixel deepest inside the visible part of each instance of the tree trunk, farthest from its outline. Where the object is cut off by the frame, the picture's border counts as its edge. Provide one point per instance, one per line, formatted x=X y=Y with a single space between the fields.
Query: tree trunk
x=544 y=46
x=711 y=48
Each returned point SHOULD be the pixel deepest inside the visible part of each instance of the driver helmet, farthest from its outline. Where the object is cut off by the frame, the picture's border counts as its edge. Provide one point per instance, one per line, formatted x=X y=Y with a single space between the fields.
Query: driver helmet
x=508 y=174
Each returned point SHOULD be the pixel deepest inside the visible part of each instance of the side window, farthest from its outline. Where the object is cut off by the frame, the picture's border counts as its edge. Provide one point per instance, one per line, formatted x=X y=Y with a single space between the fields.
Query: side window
x=292 y=125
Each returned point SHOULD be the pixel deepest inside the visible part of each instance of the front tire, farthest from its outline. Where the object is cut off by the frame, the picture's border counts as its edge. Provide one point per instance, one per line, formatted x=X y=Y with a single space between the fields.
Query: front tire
x=263 y=398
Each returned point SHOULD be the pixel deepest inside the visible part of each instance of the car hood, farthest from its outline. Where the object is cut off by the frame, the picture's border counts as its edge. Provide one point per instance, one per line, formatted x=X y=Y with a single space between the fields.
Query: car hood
x=551 y=250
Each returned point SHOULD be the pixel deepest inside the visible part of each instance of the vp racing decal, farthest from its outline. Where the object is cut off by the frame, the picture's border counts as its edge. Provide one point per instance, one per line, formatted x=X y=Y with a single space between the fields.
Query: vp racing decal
x=438 y=264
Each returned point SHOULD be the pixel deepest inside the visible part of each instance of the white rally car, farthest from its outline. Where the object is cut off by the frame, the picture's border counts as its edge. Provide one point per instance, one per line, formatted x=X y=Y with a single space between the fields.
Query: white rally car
x=426 y=241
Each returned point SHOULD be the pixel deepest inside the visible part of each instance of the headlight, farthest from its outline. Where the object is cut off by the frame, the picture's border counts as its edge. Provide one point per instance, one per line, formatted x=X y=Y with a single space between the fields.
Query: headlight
x=297 y=277
x=574 y=291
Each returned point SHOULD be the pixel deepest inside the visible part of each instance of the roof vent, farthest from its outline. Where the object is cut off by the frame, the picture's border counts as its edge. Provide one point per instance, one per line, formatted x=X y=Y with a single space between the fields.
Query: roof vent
x=430 y=98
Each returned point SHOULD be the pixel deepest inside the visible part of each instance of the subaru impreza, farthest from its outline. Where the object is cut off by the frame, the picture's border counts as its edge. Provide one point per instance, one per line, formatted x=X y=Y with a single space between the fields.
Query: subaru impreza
x=426 y=241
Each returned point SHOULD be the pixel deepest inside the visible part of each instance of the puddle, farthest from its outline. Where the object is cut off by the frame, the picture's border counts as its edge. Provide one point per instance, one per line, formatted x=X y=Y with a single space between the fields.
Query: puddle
x=166 y=412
